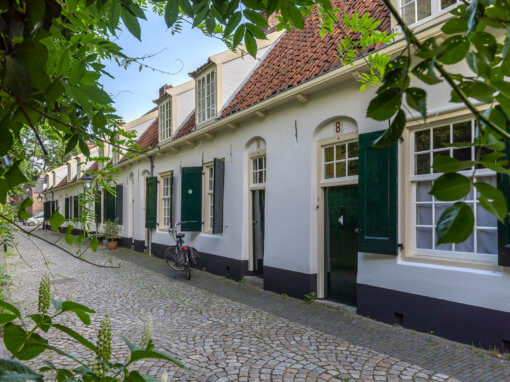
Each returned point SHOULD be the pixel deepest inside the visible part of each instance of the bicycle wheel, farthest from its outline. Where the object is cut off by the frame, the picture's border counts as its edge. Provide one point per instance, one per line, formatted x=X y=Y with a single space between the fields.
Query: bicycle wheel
x=188 y=271
x=170 y=259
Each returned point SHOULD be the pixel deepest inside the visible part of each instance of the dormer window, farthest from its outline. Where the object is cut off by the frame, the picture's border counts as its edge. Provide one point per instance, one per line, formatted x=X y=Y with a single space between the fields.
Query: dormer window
x=165 y=119
x=206 y=97
x=415 y=11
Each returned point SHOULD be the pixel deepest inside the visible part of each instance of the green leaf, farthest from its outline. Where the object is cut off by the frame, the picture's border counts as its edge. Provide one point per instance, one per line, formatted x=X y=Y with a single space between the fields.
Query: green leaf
x=77 y=72
x=137 y=355
x=251 y=44
x=16 y=371
x=6 y=141
x=238 y=35
x=84 y=148
x=394 y=131
x=492 y=199
x=296 y=17
x=486 y=45
x=417 y=100
x=94 y=94
x=476 y=12
x=57 y=304
x=186 y=7
x=22 y=346
x=113 y=16
x=10 y=308
x=42 y=320
x=22 y=211
x=130 y=21
x=425 y=72
x=14 y=176
x=56 y=220
x=447 y=164
x=131 y=346
x=456 y=48
x=78 y=337
x=78 y=309
x=16 y=75
x=71 y=143
x=451 y=186
x=455 y=25
x=385 y=105
x=455 y=224
x=255 y=17
x=478 y=65
x=171 y=12
x=503 y=87
x=93 y=244
x=232 y=23
x=256 y=31
x=6 y=317
x=504 y=102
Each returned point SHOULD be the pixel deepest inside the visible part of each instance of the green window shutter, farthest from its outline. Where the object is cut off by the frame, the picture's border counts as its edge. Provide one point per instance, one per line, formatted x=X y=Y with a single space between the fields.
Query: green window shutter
x=119 y=200
x=109 y=206
x=504 y=228
x=97 y=206
x=377 y=196
x=151 y=201
x=76 y=206
x=46 y=210
x=66 y=208
x=219 y=179
x=191 y=199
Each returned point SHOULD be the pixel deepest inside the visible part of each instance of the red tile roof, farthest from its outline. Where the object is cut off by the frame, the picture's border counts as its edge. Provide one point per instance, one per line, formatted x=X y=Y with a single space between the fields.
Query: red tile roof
x=63 y=182
x=187 y=127
x=300 y=56
x=149 y=139
x=93 y=167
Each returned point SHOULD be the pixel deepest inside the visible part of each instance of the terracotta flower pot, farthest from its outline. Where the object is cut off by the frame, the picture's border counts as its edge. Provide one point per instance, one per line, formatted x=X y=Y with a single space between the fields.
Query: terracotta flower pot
x=113 y=245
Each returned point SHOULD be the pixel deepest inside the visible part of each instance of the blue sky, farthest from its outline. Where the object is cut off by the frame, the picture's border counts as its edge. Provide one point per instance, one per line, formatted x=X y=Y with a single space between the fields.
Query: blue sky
x=132 y=90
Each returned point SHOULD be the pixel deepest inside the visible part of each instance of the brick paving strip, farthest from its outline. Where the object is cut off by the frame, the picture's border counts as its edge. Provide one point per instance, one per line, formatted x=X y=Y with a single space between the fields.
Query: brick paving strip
x=223 y=330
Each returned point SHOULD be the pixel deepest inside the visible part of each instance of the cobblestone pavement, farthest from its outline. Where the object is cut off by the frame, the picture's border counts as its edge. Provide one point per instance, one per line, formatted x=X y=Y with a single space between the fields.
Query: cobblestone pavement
x=217 y=338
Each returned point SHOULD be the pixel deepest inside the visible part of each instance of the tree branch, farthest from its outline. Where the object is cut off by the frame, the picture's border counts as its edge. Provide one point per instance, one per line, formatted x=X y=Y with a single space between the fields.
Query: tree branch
x=411 y=37
x=32 y=127
x=53 y=244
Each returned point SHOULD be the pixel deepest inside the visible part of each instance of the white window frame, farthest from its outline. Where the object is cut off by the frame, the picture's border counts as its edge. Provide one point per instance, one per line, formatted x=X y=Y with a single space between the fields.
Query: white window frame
x=165 y=119
x=435 y=10
x=165 y=200
x=346 y=160
x=481 y=174
x=256 y=171
x=206 y=96
x=208 y=197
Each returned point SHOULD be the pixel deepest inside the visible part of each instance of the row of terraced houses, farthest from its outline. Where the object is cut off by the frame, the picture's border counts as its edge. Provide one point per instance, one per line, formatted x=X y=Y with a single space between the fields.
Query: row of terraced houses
x=268 y=163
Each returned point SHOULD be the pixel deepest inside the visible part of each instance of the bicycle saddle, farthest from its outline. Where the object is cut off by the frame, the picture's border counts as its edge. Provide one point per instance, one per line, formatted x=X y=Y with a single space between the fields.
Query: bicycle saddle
x=179 y=235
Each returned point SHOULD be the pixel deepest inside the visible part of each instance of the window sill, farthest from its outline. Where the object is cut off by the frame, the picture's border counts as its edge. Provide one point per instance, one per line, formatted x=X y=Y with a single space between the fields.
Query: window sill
x=211 y=235
x=465 y=264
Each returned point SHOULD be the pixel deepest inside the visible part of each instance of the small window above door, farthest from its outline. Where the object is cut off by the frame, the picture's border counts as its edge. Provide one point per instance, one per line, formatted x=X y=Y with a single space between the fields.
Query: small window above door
x=340 y=161
x=258 y=171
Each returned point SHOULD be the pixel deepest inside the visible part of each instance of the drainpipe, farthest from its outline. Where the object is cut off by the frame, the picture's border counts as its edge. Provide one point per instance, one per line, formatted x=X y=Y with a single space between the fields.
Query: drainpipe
x=149 y=230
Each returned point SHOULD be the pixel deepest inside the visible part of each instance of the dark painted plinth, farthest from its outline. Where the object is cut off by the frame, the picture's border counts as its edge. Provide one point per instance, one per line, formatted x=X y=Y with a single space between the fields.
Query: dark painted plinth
x=294 y=284
x=459 y=322
x=139 y=245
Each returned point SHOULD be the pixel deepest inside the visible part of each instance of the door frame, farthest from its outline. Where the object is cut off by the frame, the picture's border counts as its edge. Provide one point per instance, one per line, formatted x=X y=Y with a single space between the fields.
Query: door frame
x=320 y=207
x=251 y=188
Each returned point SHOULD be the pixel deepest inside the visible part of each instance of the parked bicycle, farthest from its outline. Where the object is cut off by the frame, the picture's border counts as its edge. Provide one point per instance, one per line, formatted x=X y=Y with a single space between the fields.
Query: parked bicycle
x=180 y=257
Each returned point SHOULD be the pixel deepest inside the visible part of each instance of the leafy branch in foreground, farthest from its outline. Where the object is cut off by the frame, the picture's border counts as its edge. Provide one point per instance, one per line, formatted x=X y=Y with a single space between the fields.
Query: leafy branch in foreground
x=23 y=337
x=467 y=42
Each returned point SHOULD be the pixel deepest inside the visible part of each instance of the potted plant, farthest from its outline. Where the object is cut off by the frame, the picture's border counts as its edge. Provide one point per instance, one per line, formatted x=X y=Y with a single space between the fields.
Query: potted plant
x=111 y=233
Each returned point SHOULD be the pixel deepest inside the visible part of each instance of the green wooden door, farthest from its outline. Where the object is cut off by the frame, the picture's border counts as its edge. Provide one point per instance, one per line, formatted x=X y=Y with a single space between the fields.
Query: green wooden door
x=341 y=244
x=191 y=199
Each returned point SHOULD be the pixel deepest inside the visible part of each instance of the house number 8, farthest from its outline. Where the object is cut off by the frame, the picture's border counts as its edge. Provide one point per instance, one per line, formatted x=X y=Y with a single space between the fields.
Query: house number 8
x=337 y=127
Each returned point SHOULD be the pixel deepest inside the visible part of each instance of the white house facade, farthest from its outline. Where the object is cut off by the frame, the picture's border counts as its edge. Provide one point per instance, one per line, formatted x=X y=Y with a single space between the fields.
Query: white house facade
x=269 y=166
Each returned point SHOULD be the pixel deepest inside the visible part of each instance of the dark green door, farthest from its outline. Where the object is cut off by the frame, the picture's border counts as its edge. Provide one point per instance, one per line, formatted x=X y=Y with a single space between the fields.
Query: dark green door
x=341 y=244
x=258 y=231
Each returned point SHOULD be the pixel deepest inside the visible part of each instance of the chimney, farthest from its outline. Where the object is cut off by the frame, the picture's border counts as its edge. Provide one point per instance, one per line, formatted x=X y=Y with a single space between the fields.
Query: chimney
x=162 y=90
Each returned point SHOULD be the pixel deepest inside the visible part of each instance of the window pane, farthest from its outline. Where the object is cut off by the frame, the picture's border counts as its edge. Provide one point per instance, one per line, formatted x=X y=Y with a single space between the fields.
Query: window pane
x=422 y=164
x=408 y=13
x=340 y=169
x=261 y=177
x=467 y=246
x=423 y=189
x=329 y=171
x=328 y=154
x=423 y=9
x=352 y=167
x=447 y=3
x=462 y=132
x=353 y=150
x=424 y=238
x=340 y=152
x=462 y=154
x=485 y=218
x=255 y=164
x=441 y=136
x=487 y=241
x=424 y=214
x=422 y=140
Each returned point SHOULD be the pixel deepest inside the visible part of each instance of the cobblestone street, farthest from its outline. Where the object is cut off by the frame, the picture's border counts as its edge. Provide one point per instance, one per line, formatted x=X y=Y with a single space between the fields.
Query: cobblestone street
x=221 y=330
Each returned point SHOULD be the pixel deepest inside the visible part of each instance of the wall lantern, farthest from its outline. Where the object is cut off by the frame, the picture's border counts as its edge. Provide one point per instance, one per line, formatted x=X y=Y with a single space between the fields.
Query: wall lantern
x=87 y=181
x=40 y=198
